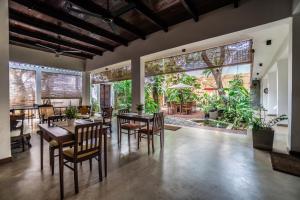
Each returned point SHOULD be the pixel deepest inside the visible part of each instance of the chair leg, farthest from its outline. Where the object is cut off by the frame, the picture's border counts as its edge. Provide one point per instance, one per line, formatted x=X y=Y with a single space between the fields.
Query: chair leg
x=100 y=167
x=76 y=177
x=138 y=140
x=160 y=138
x=51 y=150
x=91 y=163
x=148 y=141
x=128 y=137
x=152 y=142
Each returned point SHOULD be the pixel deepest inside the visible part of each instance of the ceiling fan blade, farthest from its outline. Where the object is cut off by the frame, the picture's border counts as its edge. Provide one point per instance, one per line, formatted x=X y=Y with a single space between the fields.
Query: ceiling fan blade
x=69 y=8
x=45 y=47
x=72 y=51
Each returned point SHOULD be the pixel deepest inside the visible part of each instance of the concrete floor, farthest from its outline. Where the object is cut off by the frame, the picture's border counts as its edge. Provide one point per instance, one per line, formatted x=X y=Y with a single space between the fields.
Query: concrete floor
x=195 y=164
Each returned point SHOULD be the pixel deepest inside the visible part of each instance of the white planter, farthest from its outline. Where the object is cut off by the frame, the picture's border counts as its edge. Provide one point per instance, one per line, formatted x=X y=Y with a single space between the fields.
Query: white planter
x=140 y=112
x=71 y=122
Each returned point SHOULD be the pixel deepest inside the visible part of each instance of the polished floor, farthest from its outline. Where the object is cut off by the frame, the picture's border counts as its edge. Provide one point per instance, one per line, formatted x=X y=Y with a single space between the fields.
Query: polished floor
x=195 y=164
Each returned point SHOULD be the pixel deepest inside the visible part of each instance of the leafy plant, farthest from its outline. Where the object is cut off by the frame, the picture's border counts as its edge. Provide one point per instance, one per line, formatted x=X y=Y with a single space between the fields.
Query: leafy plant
x=71 y=112
x=237 y=104
x=123 y=92
x=260 y=124
x=95 y=105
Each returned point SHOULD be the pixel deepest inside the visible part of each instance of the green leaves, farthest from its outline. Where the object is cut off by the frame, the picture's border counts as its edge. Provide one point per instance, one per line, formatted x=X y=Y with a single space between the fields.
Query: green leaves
x=71 y=112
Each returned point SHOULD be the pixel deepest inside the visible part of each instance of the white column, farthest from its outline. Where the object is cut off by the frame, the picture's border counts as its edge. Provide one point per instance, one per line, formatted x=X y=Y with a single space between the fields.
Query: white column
x=4 y=82
x=294 y=85
x=38 y=82
x=272 y=94
x=138 y=78
x=86 y=88
x=282 y=90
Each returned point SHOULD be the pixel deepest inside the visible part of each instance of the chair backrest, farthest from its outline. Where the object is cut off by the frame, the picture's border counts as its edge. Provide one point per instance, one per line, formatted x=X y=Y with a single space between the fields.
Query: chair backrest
x=45 y=111
x=17 y=122
x=55 y=118
x=84 y=110
x=123 y=111
x=88 y=138
x=158 y=121
x=107 y=113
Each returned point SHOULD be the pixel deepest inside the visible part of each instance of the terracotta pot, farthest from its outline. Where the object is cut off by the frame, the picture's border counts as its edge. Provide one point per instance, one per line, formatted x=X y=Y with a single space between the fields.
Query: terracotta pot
x=263 y=139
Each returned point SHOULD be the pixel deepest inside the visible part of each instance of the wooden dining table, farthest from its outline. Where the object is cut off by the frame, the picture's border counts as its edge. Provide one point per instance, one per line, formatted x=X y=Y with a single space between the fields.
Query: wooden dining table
x=144 y=118
x=63 y=133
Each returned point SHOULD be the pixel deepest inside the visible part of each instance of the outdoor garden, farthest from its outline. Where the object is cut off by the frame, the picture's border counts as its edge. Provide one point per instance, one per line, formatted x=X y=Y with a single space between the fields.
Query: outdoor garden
x=223 y=107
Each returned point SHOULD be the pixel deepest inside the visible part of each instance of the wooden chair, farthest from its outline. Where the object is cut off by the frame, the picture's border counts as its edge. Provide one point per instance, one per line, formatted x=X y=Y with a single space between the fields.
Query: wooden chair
x=129 y=127
x=107 y=113
x=17 y=135
x=53 y=143
x=45 y=111
x=156 y=128
x=84 y=110
x=187 y=107
x=87 y=145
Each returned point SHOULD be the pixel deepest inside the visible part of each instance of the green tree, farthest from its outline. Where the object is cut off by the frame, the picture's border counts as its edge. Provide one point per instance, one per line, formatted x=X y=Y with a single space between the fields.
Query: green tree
x=123 y=97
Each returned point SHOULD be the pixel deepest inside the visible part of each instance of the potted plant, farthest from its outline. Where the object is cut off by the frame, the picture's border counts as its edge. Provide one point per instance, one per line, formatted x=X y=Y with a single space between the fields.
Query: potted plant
x=71 y=113
x=140 y=108
x=263 y=133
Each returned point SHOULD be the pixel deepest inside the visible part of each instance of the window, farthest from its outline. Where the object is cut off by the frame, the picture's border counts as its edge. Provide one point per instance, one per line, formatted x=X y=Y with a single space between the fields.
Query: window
x=61 y=86
x=22 y=87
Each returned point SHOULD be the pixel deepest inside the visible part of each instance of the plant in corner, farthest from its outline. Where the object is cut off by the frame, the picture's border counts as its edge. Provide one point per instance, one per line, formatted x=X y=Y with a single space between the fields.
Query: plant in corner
x=71 y=114
x=263 y=132
x=140 y=108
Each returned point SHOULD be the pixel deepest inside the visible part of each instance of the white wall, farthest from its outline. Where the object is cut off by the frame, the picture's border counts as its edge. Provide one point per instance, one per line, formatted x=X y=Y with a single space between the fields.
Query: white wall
x=36 y=57
x=226 y=20
x=282 y=83
x=264 y=97
x=272 y=95
x=4 y=82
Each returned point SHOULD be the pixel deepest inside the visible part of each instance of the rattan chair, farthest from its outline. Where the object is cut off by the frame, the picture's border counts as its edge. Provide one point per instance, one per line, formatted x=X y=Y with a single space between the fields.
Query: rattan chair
x=53 y=145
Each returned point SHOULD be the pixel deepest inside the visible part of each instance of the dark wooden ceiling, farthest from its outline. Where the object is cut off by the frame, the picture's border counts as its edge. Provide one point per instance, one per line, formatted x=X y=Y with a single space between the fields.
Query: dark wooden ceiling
x=85 y=25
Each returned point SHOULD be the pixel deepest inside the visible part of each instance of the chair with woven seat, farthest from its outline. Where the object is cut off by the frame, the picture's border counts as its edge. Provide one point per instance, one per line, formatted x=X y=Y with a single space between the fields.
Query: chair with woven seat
x=53 y=143
x=18 y=133
x=45 y=111
x=128 y=127
x=87 y=145
x=107 y=113
x=156 y=128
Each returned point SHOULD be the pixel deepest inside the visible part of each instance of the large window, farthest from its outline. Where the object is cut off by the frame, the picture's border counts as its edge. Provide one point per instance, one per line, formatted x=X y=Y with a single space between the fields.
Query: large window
x=22 y=87
x=61 y=86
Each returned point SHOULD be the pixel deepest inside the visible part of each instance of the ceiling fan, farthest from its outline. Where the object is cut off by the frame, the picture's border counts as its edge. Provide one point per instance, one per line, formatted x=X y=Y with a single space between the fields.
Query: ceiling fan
x=106 y=19
x=58 y=52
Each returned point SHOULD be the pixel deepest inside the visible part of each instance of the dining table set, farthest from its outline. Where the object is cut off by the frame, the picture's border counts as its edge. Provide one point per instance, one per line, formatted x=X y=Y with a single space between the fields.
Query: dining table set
x=63 y=132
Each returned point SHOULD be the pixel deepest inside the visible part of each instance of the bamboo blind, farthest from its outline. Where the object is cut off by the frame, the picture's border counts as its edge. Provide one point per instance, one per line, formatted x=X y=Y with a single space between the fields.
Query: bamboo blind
x=61 y=86
x=22 y=87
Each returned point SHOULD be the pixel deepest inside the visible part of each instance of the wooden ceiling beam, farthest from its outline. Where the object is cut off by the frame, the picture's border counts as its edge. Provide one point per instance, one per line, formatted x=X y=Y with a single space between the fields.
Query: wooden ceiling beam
x=149 y=13
x=190 y=9
x=32 y=44
x=42 y=36
x=92 y=7
x=70 y=19
x=57 y=29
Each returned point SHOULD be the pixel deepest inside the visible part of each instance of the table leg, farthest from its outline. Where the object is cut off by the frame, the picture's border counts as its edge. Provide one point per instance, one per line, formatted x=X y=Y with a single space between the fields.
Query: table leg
x=61 y=171
x=118 y=130
x=42 y=148
x=148 y=137
x=105 y=153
